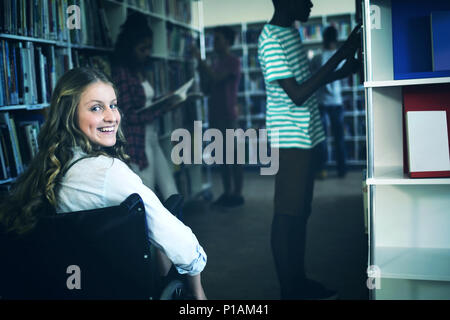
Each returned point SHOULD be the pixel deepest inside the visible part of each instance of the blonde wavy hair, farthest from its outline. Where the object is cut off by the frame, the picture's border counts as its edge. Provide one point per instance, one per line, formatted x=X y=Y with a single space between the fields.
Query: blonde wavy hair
x=38 y=186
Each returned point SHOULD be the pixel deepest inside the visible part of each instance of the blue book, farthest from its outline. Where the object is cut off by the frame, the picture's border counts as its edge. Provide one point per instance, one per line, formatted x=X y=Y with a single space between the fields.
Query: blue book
x=2 y=86
x=440 y=40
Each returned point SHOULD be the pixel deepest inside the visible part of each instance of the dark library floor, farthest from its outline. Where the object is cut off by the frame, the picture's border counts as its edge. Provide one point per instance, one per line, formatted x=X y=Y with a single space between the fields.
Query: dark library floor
x=237 y=241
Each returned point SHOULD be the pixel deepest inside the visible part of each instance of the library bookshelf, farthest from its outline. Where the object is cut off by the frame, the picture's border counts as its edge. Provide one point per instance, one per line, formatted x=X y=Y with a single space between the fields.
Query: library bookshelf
x=252 y=95
x=38 y=46
x=409 y=241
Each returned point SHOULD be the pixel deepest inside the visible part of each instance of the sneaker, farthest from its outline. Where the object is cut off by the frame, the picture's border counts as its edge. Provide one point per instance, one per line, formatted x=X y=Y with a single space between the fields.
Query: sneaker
x=314 y=290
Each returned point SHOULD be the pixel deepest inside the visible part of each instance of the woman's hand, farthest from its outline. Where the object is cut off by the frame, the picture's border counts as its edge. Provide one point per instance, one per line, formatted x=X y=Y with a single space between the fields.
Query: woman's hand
x=195 y=286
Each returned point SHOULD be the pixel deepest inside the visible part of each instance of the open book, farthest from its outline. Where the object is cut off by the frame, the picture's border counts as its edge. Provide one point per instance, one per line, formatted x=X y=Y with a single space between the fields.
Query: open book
x=170 y=100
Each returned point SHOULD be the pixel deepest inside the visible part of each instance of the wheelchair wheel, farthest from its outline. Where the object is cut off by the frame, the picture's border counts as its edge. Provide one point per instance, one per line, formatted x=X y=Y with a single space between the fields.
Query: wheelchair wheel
x=175 y=290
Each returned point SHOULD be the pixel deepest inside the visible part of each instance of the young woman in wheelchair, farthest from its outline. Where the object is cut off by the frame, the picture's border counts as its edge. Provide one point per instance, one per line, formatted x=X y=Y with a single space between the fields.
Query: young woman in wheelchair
x=82 y=165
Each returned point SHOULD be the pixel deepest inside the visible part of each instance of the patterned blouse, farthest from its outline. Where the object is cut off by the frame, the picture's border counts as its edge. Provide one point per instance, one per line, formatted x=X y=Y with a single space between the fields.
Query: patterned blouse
x=131 y=97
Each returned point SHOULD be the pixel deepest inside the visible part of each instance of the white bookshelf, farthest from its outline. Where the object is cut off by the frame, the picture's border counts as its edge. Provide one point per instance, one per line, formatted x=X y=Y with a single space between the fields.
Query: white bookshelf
x=408 y=218
x=395 y=176
x=412 y=82
x=414 y=263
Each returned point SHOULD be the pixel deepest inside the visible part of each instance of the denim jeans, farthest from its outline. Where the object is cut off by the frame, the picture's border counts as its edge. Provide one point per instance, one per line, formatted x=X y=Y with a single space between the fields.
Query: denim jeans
x=336 y=116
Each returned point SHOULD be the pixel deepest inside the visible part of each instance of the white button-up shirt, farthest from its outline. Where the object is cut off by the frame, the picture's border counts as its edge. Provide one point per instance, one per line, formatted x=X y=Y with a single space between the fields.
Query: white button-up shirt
x=102 y=181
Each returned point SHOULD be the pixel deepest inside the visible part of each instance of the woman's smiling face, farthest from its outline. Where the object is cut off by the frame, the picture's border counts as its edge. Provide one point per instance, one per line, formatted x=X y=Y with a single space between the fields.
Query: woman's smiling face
x=98 y=114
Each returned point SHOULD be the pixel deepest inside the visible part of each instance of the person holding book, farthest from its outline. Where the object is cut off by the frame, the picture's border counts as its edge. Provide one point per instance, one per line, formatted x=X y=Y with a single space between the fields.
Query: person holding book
x=129 y=64
x=82 y=165
x=331 y=106
x=220 y=81
x=295 y=128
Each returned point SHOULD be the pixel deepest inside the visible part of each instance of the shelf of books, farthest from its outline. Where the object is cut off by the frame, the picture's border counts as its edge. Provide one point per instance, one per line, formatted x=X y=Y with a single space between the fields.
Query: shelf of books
x=408 y=162
x=252 y=96
x=40 y=40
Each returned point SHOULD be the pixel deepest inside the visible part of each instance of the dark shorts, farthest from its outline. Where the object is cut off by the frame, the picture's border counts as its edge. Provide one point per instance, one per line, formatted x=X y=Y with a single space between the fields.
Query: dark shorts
x=222 y=127
x=294 y=182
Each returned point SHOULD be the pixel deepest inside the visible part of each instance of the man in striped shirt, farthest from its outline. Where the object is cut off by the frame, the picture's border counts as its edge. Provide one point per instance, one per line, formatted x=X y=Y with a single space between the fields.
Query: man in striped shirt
x=294 y=126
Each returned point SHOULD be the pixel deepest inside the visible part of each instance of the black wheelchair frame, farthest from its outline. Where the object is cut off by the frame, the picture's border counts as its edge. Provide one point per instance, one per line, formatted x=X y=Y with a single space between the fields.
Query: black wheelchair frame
x=108 y=247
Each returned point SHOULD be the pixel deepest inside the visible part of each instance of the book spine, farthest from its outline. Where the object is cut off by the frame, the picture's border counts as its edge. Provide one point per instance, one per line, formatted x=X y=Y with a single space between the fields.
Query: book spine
x=16 y=146
x=6 y=151
x=46 y=21
x=42 y=75
x=24 y=10
x=25 y=73
x=22 y=143
x=4 y=172
x=53 y=75
x=15 y=91
x=34 y=138
x=6 y=72
x=33 y=85
x=2 y=82
x=15 y=152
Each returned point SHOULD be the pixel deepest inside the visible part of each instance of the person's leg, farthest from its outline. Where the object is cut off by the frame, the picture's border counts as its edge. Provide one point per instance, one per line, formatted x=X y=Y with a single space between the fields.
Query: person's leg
x=238 y=177
x=164 y=177
x=288 y=235
x=321 y=153
x=226 y=172
x=337 y=127
x=148 y=174
x=298 y=243
x=238 y=169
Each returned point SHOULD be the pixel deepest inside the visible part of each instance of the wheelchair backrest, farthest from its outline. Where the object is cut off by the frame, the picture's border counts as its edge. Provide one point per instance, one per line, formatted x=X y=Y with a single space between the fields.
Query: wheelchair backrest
x=93 y=254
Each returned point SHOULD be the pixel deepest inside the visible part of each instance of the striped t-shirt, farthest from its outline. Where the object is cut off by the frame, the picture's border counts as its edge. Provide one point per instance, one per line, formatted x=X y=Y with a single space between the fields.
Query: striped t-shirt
x=282 y=56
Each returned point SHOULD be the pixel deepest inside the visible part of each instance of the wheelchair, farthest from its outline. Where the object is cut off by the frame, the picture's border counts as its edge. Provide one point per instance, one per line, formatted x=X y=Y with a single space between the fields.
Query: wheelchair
x=100 y=254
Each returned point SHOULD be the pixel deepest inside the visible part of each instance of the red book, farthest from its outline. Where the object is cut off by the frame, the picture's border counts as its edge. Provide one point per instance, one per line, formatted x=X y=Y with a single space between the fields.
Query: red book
x=425 y=98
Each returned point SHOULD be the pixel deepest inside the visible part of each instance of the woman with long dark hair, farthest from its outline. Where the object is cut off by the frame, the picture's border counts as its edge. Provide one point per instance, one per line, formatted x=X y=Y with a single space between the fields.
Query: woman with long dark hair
x=130 y=61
